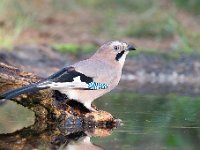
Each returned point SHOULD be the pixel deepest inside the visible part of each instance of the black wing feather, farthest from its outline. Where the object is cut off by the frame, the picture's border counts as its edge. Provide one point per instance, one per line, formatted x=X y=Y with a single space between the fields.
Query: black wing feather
x=22 y=90
x=68 y=75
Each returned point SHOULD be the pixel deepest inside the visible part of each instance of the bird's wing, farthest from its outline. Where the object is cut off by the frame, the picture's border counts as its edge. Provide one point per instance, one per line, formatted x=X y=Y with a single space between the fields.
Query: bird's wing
x=100 y=70
x=70 y=78
x=67 y=78
x=68 y=75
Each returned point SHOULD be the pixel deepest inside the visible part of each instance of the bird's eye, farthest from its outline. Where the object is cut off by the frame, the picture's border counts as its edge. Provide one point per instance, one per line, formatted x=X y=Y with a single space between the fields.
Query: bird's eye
x=116 y=47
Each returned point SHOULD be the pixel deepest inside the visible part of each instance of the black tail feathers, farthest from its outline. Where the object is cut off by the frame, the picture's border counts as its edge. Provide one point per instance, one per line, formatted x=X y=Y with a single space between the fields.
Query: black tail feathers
x=23 y=90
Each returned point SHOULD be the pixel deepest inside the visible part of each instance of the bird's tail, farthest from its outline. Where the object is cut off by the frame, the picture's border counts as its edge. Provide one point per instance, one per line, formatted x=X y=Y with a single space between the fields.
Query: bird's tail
x=23 y=90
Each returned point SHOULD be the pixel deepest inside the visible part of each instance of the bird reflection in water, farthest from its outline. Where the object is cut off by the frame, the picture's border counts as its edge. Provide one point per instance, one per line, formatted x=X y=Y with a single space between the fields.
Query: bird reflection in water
x=51 y=137
x=83 y=143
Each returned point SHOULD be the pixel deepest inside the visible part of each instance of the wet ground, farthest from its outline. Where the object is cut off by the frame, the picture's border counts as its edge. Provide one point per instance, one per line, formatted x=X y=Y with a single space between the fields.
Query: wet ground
x=157 y=101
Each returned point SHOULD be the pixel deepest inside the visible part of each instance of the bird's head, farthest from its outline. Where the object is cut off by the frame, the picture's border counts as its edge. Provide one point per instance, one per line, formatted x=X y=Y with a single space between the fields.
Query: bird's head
x=115 y=51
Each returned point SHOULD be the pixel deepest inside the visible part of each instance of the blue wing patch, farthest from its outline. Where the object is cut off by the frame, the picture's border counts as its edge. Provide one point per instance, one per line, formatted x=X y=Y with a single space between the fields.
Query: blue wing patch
x=96 y=86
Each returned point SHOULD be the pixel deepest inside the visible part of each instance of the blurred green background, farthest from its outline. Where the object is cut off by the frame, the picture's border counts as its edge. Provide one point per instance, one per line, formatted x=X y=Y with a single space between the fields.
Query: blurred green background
x=170 y=27
x=154 y=25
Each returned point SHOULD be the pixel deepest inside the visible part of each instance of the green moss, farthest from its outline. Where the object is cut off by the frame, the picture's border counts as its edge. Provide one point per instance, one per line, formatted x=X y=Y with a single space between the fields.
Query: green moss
x=74 y=49
x=160 y=26
x=67 y=48
x=88 y=48
x=6 y=42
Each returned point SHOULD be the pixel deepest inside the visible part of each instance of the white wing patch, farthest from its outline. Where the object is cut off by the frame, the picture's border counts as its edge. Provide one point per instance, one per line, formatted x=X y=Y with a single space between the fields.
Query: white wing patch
x=77 y=79
x=64 y=85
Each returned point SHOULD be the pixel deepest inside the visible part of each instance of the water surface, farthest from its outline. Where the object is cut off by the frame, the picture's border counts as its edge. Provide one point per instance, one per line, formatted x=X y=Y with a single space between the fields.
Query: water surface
x=149 y=122
x=152 y=122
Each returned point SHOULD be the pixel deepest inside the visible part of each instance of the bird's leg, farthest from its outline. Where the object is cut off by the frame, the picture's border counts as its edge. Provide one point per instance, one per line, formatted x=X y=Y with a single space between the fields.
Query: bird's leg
x=88 y=105
x=94 y=107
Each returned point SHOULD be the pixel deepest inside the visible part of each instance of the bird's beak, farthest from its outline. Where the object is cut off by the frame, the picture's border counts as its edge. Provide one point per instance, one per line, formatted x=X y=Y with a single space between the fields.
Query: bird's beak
x=131 y=47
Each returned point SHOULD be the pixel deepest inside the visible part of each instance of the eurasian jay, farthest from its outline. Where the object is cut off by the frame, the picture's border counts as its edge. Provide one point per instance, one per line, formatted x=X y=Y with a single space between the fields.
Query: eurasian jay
x=85 y=80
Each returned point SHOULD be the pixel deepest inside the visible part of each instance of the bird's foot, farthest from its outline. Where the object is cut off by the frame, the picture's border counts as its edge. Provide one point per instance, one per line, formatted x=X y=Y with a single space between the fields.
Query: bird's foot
x=94 y=107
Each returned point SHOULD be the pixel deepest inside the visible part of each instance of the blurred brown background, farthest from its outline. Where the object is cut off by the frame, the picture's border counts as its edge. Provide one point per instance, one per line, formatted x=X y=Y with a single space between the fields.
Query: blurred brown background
x=154 y=25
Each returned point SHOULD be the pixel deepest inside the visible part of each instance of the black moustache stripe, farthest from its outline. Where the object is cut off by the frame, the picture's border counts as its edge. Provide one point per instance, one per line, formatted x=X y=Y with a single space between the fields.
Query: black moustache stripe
x=119 y=55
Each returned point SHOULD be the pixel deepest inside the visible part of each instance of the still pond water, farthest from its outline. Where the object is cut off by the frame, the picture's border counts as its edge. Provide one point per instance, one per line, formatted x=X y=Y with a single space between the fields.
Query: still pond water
x=149 y=122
